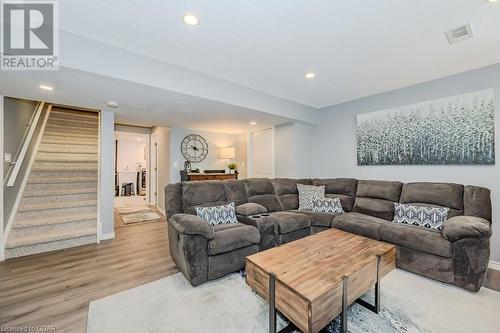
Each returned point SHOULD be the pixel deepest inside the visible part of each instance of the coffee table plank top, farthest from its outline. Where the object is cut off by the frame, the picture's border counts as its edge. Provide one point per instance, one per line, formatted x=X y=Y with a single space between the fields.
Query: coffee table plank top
x=315 y=265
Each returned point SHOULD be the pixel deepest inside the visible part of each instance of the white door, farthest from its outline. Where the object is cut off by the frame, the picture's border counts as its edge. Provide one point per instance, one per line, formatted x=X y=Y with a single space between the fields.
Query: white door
x=263 y=153
x=154 y=170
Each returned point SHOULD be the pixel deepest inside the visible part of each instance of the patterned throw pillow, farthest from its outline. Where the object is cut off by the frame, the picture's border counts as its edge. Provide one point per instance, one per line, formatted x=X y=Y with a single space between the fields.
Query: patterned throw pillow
x=218 y=214
x=307 y=193
x=327 y=205
x=420 y=216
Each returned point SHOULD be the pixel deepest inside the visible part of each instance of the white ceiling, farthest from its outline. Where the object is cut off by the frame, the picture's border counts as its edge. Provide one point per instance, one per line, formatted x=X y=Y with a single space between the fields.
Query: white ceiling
x=140 y=105
x=356 y=48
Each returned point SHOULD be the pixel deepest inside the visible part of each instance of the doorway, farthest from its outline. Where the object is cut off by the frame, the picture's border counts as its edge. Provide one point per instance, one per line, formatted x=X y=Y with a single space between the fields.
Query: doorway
x=131 y=169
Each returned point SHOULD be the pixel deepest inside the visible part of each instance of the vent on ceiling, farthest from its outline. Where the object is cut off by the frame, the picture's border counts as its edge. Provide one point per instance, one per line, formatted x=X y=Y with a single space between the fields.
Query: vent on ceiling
x=459 y=34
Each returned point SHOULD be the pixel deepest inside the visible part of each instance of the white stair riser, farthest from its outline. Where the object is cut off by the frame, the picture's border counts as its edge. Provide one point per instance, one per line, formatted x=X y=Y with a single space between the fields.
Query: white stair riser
x=47 y=247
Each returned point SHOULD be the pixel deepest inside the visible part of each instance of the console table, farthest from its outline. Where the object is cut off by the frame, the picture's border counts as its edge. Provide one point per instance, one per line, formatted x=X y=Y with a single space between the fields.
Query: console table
x=211 y=176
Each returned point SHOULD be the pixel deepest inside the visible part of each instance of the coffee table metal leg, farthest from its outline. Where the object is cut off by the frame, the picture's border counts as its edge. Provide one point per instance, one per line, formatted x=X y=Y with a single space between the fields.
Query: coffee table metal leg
x=345 y=281
x=272 y=304
x=375 y=308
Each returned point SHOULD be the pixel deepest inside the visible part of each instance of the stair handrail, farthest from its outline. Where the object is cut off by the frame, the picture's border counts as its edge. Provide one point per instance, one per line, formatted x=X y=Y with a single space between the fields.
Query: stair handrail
x=16 y=164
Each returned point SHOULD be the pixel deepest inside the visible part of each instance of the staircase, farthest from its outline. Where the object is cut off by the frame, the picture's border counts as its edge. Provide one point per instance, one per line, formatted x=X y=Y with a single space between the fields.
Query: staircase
x=58 y=208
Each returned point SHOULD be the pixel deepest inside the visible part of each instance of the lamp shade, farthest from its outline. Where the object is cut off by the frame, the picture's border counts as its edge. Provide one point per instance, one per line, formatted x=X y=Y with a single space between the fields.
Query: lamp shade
x=227 y=153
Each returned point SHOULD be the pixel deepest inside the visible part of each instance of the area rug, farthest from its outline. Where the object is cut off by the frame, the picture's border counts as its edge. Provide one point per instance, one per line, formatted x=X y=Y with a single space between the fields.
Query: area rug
x=138 y=214
x=410 y=303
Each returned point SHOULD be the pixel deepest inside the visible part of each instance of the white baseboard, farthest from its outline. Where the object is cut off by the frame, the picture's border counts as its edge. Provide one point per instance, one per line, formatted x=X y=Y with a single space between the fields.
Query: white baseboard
x=110 y=235
x=494 y=265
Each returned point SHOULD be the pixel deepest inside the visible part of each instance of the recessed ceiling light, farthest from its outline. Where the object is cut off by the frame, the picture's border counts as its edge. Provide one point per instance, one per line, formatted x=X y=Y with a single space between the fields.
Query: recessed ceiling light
x=491 y=1
x=253 y=123
x=310 y=75
x=44 y=87
x=190 y=19
x=112 y=104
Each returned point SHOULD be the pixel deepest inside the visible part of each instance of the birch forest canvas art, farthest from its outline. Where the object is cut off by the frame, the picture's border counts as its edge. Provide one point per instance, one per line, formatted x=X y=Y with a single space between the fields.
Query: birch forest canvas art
x=452 y=130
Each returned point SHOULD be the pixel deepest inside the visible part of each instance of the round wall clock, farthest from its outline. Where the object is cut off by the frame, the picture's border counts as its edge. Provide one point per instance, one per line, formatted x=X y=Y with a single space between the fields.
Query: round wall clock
x=194 y=148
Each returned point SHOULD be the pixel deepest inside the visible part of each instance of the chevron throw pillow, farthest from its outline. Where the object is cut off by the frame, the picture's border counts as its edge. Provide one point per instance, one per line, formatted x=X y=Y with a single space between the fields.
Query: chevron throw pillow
x=307 y=193
x=218 y=214
x=327 y=205
x=420 y=216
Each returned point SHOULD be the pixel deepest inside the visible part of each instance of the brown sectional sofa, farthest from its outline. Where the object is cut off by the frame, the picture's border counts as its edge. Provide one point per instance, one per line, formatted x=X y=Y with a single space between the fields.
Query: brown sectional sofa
x=268 y=216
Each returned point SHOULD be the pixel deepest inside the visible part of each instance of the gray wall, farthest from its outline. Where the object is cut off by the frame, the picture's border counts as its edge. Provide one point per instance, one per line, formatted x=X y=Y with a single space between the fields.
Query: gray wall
x=335 y=139
x=107 y=177
x=17 y=114
x=215 y=141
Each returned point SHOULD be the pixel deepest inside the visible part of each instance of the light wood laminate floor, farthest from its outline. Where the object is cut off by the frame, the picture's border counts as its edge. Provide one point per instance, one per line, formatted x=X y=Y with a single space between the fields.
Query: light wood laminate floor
x=55 y=289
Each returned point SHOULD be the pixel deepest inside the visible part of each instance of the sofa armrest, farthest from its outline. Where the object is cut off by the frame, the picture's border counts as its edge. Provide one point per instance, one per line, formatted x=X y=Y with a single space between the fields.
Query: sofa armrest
x=188 y=224
x=249 y=209
x=460 y=227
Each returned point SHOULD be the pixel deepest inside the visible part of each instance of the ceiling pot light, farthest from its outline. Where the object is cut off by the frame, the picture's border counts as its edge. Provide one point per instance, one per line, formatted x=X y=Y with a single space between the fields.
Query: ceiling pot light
x=112 y=104
x=44 y=87
x=190 y=19
x=253 y=123
x=492 y=1
x=310 y=75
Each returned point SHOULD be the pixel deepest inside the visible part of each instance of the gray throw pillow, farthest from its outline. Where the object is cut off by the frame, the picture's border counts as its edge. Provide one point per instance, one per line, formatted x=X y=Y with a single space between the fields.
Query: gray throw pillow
x=327 y=205
x=218 y=214
x=420 y=216
x=250 y=208
x=307 y=193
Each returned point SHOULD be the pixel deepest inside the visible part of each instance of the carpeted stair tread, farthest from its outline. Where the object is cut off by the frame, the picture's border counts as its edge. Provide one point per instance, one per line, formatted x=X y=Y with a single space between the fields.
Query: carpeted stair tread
x=50 y=235
x=56 y=219
x=54 y=213
x=59 y=179
x=26 y=201
x=53 y=192
x=67 y=157
x=69 y=135
x=67 y=148
x=64 y=166
x=65 y=140
x=68 y=129
x=74 y=122
x=54 y=186
x=55 y=205
x=48 y=247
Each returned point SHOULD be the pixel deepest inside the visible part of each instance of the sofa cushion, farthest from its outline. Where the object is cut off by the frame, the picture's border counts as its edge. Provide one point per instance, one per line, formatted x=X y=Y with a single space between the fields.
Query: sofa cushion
x=343 y=188
x=477 y=202
x=290 y=221
x=230 y=237
x=377 y=197
x=205 y=193
x=286 y=190
x=318 y=219
x=218 y=214
x=441 y=194
x=258 y=186
x=420 y=216
x=250 y=208
x=235 y=191
x=307 y=193
x=416 y=238
x=360 y=224
x=270 y=201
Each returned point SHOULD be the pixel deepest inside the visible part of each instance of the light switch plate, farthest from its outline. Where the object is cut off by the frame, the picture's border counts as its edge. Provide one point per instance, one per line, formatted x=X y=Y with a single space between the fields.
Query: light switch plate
x=8 y=158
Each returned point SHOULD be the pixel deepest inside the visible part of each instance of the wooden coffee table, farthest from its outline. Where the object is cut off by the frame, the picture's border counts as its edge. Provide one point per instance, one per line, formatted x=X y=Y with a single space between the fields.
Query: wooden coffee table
x=314 y=279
